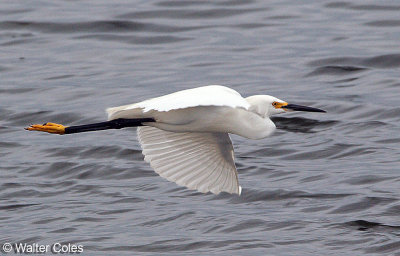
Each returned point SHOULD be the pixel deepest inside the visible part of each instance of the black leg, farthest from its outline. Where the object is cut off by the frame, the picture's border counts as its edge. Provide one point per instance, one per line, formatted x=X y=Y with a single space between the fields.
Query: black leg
x=113 y=124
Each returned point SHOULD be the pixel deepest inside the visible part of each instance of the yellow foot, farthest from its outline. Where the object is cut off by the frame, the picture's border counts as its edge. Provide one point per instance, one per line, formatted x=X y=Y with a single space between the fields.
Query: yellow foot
x=47 y=127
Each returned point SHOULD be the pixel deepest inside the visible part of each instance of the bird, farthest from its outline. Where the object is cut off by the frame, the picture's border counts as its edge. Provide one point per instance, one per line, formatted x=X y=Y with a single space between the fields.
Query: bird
x=185 y=135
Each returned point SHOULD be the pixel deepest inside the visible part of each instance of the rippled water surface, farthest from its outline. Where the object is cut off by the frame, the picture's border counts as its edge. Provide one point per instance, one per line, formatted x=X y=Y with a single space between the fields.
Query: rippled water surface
x=323 y=184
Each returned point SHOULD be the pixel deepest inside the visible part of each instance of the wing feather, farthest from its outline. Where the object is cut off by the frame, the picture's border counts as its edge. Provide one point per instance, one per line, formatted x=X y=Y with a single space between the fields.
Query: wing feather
x=198 y=161
x=211 y=95
x=201 y=176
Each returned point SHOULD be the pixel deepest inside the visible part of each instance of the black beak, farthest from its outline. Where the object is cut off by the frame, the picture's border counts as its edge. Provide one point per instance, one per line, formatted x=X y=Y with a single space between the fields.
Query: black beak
x=302 y=108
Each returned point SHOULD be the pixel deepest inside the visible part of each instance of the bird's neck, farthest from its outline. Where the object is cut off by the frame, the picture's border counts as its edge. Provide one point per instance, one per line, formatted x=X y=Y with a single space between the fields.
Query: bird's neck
x=258 y=105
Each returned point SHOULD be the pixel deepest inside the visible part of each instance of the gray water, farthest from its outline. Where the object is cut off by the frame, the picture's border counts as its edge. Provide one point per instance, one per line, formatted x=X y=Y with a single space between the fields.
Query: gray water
x=323 y=184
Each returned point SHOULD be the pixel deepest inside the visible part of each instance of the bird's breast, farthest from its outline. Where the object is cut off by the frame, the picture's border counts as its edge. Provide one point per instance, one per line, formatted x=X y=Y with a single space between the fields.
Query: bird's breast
x=215 y=119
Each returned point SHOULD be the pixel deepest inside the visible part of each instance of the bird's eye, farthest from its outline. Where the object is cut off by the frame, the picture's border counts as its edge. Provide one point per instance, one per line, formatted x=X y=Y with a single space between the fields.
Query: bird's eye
x=274 y=103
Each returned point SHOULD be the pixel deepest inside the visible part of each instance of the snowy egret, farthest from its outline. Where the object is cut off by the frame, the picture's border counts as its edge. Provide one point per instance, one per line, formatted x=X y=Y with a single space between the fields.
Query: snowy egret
x=185 y=135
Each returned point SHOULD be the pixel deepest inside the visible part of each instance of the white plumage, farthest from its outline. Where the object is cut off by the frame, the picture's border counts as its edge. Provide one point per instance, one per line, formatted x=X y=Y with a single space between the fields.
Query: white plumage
x=189 y=142
x=212 y=95
x=200 y=161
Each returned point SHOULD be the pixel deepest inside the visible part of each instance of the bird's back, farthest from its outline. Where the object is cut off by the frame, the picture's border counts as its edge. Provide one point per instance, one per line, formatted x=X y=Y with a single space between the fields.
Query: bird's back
x=211 y=95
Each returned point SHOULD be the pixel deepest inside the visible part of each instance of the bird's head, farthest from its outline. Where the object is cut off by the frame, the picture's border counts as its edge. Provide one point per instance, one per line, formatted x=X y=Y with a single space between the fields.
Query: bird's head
x=266 y=106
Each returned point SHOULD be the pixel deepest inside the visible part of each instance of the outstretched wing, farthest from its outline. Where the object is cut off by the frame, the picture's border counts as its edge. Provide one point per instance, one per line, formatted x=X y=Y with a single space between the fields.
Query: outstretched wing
x=198 y=161
x=211 y=95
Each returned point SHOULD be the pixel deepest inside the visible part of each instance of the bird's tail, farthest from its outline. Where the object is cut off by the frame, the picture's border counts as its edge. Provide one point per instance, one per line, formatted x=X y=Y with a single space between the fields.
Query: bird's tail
x=111 y=112
x=126 y=111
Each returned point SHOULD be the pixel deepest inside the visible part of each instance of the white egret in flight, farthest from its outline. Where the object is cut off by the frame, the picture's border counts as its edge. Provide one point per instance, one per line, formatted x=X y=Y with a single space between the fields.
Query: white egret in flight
x=185 y=135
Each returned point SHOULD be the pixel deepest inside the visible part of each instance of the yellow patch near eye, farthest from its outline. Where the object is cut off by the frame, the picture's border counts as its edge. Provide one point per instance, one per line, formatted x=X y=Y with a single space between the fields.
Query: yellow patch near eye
x=279 y=104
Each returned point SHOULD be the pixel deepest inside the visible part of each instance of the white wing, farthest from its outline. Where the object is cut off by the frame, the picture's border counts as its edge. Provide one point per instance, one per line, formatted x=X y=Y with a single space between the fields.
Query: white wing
x=211 y=95
x=198 y=161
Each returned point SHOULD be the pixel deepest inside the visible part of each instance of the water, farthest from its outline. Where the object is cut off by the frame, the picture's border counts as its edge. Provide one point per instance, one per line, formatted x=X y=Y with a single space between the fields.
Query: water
x=323 y=184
